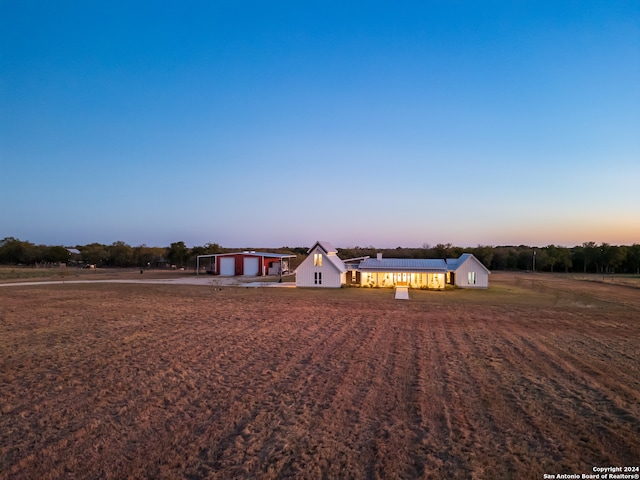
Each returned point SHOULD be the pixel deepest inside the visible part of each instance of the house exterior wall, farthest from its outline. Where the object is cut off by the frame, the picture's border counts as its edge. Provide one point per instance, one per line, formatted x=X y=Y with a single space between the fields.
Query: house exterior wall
x=471 y=265
x=306 y=272
x=353 y=277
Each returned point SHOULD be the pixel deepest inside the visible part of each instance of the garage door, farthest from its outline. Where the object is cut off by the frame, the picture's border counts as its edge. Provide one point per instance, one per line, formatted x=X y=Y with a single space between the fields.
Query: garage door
x=227 y=266
x=251 y=266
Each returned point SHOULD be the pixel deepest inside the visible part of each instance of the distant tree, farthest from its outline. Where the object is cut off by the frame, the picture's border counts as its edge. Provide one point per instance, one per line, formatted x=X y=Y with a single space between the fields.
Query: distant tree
x=612 y=257
x=178 y=253
x=56 y=254
x=143 y=256
x=525 y=259
x=552 y=256
x=120 y=255
x=633 y=258
x=484 y=254
x=542 y=260
x=212 y=248
x=207 y=249
x=12 y=250
x=590 y=255
x=563 y=258
x=512 y=259
x=442 y=250
x=499 y=260
x=33 y=254
x=94 y=253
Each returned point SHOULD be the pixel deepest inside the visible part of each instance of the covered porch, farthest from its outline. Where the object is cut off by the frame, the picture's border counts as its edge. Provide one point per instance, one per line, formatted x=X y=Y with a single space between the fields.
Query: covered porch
x=424 y=280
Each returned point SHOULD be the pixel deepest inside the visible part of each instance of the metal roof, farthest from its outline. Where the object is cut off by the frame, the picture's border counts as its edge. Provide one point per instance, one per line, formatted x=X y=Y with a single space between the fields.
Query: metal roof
x=326 y=246
x=249 y=253
x=453 y=263
x=337 y=262
x=428 y=265
x=354 y=261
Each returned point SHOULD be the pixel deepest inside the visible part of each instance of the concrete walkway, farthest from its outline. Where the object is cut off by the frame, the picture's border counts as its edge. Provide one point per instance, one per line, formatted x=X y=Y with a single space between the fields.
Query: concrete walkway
x=402 y=293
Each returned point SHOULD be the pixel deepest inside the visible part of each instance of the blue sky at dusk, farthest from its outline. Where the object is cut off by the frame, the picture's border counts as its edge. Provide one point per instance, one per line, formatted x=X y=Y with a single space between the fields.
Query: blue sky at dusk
x=280 y=123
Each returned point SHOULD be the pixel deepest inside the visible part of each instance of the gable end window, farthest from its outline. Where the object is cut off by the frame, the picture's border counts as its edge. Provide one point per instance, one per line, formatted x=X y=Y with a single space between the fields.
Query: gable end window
x=317 y=278
x=317 y=259
x=472 y=278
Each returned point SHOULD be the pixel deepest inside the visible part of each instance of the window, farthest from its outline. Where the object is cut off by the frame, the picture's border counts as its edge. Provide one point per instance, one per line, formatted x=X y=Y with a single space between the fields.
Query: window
x=354 y=277
x=472 y=278
x=317 y=259
x=317 y=278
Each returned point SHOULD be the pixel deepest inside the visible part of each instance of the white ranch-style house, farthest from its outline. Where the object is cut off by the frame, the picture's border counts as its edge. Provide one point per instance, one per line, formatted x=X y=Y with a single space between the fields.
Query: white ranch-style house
x=323 y=268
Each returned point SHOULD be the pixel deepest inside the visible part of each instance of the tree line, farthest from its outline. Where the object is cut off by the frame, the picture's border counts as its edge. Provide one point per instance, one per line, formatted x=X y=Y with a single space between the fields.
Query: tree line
x=588 y=257
x=117 y=254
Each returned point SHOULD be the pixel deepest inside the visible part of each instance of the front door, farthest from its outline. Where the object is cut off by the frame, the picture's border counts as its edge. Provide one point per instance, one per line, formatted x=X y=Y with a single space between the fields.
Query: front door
x=402 y=279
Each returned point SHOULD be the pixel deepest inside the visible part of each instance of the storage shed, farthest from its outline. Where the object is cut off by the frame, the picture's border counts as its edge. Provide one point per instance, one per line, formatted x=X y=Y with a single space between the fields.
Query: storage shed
x=247 y=263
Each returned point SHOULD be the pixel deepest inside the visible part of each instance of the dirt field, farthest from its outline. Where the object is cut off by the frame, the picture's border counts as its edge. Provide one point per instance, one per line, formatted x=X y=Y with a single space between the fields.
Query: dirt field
x=538 y=374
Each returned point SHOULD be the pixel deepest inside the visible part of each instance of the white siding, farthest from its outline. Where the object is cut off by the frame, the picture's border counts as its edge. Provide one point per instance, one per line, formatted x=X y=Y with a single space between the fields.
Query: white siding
x=472 y=264
x=331 y=276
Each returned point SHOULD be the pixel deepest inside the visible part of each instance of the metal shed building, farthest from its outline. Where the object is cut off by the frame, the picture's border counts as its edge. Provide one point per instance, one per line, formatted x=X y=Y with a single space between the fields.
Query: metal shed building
x=247 y=263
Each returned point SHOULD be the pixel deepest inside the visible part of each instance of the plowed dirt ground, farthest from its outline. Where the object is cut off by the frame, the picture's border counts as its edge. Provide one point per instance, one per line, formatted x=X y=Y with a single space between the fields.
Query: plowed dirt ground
x=538 y=374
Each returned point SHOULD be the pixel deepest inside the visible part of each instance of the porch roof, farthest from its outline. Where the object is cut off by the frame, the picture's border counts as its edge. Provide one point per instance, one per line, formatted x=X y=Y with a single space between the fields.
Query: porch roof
x=422 y=265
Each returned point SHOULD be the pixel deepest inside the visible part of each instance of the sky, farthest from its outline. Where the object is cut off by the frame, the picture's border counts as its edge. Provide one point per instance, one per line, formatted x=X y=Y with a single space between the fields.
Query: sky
x=268 y=124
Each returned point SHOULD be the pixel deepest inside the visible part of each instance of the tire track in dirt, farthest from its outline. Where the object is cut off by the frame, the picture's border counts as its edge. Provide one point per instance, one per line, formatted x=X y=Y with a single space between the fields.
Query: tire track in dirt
x=560 y=389
x=621 y=377
x=615 y=420
x=519 y=440
x=447 y=432
x=533 y=397
x=292 y=401
x=393 y=438
x=488 y=414
x=342 y=399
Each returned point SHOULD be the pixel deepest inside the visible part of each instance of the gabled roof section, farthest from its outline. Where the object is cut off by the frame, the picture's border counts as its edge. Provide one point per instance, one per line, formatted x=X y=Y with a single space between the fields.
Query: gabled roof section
x=426 y=265
x=330 y=255
x=452 y=263
x=325 y=246
x=463 y=258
